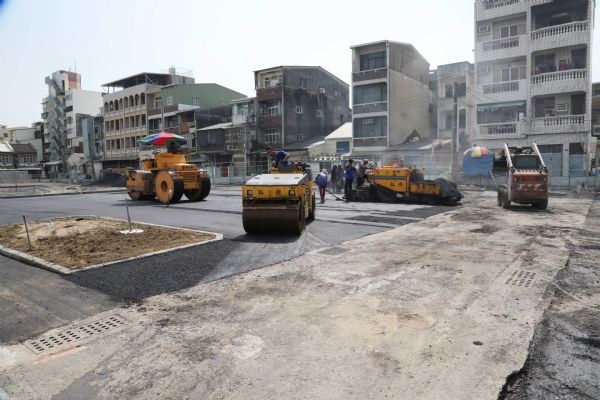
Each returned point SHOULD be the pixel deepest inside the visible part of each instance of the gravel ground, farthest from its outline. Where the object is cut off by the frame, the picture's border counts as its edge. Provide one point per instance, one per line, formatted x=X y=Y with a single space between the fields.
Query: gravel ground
x=564 y=357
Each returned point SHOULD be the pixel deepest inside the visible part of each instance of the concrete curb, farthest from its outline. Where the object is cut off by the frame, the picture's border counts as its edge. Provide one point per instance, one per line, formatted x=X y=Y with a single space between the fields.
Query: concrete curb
x=38 y=262
x=63 y=194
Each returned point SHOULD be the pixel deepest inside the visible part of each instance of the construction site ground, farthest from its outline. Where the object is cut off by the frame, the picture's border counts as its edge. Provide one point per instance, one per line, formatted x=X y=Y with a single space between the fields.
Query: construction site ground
x=472 y=302
x=83 y=241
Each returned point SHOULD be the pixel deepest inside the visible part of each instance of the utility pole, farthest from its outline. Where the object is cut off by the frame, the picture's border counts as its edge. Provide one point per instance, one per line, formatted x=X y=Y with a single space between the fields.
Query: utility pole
x=455 y=140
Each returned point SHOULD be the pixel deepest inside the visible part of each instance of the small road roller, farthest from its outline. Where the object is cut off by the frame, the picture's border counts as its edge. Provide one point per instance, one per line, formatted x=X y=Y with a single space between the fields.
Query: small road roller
x=168 y=177
x=281 y=201
x=390 y=184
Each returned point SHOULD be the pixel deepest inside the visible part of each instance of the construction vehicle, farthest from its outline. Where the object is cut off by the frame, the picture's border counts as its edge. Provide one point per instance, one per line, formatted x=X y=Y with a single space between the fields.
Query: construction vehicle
x=390 y=184
x=168 y=176
x=281 y=201
x=526 y=177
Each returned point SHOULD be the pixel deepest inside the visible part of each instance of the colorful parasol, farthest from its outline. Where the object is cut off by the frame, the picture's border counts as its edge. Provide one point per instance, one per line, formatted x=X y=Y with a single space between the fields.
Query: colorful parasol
x=162 y=139
x=476 y=152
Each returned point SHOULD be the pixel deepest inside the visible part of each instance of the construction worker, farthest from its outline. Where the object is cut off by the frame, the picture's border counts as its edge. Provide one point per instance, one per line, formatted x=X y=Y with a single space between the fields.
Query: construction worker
x=350 y=173
x=322 y=184
x=277 y=157
x=362 y=172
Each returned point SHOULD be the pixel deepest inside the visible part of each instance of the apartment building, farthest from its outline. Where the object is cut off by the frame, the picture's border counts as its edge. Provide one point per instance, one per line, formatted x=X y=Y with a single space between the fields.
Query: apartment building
x=391 y=97
x=125 y=114
x=63 y=109
x=29 y=135
x=533 y=78
x=455 y=84
x=298 y=105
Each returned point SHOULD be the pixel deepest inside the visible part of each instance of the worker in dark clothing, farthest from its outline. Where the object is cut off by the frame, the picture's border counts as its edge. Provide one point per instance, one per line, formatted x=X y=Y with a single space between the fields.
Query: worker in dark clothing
x=362 y=172
x=350 y=173
x=277 y=157
x=334 y=176
x=322 y=184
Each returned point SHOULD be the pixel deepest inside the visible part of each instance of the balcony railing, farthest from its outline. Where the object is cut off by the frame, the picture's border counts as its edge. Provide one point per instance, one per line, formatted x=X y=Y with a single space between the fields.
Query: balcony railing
x=491 y=4
x=500 y=44
x=566 y=121
x=370 y=107
x=578 y=26
x=501 y=87
x=380 y=73
x=559 y=76
x=502 y=128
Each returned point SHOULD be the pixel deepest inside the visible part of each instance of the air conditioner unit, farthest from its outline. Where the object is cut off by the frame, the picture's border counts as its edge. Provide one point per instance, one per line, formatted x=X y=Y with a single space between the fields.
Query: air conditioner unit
x=322 y=90
x=483 y=29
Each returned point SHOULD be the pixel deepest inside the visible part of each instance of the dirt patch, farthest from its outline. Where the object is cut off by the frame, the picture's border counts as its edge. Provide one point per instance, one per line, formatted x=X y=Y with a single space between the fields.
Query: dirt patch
x=79 y=242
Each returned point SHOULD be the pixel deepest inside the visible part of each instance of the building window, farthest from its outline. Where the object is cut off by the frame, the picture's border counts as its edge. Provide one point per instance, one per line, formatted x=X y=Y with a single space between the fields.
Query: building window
x=272 y=81
x=273 y=135
x=196 y=102
x=375 y=93
x=302 y=83
x=157 y=102
x=370 y=127
x=336 y=93
x=509 y=31
x=298 y=109
x=372 y=61
x=143 y=119
x=449 y=91
x=342 y=147
x=299 y=137
x=211 y=137
x=170 y=100
x=318 y=114
x=269 y=108
x=143 y=98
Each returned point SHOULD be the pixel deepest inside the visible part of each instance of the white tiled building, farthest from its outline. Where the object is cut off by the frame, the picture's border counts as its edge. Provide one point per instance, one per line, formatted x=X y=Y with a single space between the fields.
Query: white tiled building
x=533 y=78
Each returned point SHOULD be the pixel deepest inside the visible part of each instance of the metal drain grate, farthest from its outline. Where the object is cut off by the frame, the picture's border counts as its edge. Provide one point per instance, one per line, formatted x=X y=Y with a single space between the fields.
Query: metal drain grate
x=334 y=251
x=74 y=334
x=521 y=278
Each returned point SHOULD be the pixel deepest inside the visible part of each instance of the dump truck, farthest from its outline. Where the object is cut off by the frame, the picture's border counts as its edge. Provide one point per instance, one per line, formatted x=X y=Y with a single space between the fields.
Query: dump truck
x=389 y=184
x=168 y=176
x=526 y=176
x=281 y=201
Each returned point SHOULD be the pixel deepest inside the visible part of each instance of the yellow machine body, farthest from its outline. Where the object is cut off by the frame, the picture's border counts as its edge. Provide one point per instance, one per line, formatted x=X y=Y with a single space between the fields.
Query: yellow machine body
x=279 y=202
x=168 y=177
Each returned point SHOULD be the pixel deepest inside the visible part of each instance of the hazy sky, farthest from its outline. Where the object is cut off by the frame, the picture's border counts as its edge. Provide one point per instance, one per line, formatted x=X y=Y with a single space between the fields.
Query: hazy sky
x=222 y=41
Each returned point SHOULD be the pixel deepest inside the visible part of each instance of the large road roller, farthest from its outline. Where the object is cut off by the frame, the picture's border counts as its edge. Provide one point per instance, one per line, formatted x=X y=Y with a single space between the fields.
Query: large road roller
x=168 y=176
x=281 y=201
x=389 y=184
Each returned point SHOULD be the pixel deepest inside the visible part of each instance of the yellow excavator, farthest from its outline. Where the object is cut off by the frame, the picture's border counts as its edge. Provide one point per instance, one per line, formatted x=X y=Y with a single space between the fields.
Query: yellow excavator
x=281 y=201
x=168 y=176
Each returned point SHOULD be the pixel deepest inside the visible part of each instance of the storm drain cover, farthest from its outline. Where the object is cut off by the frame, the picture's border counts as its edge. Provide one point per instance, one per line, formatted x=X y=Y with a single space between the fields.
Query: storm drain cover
x=334 y=251
x=521 y=278
x=74 y=334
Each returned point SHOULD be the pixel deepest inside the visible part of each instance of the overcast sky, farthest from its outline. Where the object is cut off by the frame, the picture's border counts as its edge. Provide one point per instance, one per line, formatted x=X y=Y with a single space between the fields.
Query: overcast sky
x=220 y=41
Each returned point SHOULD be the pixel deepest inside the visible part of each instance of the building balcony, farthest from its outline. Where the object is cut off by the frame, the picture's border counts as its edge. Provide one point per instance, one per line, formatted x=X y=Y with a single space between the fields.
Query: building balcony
x=121 y=154
x=574 y=80
x=380 y=73
x=500 y=130
x=562 y=124
x=497 y=49
x=270 y=93
x=564 y=35
x=269 y=121
x=367 y=108
x=489 y=9
x=504 y=91
x=596 y=130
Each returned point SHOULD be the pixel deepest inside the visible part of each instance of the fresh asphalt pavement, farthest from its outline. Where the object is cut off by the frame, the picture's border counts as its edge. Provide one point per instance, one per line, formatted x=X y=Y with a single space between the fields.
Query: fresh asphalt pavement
x=35 y=300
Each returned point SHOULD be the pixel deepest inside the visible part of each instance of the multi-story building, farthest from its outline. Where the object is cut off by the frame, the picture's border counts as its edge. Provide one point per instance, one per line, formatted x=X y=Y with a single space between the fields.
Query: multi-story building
x=125 y=112
x=32 y=136
x=298 y=104
x=454 y=84
x=65 y=105
x=391 y=97
x=533 y=70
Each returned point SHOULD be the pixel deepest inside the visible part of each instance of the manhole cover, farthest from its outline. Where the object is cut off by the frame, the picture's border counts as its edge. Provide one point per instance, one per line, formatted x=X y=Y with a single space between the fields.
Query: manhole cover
x=74 y=334
x=521 y=278
x=334 y=251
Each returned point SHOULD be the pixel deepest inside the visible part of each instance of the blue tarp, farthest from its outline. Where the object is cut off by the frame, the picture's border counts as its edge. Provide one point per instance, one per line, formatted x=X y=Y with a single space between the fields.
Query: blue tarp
x=480 y=166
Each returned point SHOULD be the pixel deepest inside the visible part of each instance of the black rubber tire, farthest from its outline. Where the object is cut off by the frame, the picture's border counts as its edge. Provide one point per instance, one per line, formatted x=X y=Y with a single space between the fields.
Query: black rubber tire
x=298 y=227
x=135 y=195
x=205 y=189
x=505 y=201
x=499 y=199
x=313 y=209
x=193 y=195
x=178 y=191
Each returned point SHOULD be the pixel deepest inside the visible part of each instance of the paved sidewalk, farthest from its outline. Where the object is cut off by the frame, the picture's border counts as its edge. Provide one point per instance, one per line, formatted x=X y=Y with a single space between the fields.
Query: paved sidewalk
x=440 y=309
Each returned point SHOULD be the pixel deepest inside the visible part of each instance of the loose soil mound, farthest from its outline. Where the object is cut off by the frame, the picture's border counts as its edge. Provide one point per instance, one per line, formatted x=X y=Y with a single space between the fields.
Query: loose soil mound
x=78 y=242
x=112 y=180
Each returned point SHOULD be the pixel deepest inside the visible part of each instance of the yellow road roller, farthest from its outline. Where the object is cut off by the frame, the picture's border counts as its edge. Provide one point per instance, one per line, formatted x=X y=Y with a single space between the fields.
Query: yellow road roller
x=281 y=201
x=168 y=176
